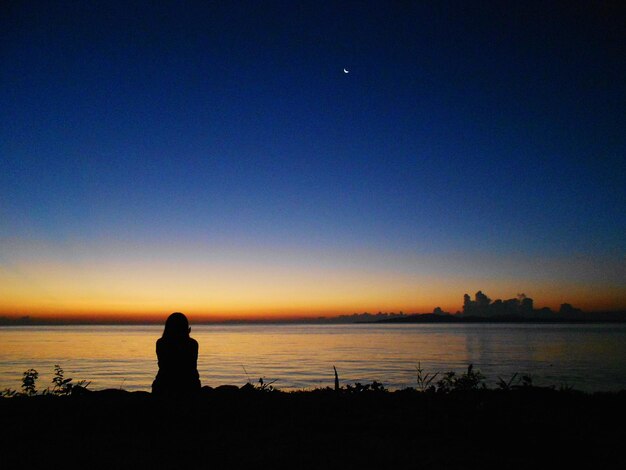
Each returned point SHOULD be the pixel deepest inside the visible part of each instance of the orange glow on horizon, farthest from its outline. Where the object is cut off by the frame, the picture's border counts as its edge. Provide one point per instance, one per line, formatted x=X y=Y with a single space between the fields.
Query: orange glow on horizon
x=83 y=311
x=280 y=284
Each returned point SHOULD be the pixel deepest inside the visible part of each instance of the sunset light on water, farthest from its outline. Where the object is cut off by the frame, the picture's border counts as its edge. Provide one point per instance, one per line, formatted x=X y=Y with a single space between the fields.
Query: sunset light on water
x=301 y=357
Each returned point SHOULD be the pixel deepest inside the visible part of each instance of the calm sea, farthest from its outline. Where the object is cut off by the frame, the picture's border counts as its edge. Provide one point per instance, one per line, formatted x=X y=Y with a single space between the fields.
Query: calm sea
x=587 y=357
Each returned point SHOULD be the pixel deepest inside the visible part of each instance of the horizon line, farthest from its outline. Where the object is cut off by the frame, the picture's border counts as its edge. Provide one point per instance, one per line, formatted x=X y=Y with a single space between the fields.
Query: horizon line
x=111 y=320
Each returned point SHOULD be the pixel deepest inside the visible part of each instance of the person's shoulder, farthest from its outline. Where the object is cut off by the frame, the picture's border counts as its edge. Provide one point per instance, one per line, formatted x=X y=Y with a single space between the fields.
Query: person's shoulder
x=193 y=342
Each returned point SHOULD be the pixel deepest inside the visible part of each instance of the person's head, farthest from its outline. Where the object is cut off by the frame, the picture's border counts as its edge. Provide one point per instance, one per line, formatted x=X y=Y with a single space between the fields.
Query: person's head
x=176 y=326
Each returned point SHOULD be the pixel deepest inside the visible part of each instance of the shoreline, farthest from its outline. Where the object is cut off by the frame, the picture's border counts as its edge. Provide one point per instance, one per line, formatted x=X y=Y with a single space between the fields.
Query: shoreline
x=588 y=318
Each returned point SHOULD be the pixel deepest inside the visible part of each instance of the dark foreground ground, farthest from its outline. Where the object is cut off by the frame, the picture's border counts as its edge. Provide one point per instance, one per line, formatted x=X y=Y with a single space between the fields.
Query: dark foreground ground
x=228 y=428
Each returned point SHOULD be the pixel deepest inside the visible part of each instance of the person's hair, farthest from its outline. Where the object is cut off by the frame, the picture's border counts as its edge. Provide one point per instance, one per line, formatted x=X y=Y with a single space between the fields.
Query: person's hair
x=176 y=326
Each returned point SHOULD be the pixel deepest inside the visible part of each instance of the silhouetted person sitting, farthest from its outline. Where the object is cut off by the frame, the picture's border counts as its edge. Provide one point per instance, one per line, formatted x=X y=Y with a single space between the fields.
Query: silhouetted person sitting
x=177 y=354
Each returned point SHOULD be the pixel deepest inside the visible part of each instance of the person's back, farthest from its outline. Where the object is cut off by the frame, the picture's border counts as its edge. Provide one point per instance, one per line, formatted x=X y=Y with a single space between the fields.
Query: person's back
x=177 y=355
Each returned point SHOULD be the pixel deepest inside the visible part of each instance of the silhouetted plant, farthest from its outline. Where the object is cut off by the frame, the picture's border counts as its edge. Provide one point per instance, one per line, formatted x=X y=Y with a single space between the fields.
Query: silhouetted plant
x=446 y=384
x=471 y=380
x=265 y=386
x=29 y=380
x=360 y=388
x=527 y=380
x=8 y=392
x=506 y=386
x=62 y=385
x=246 y=372
x=261 y=385
x=424 y=380
x=377 y=387
x=337 y=388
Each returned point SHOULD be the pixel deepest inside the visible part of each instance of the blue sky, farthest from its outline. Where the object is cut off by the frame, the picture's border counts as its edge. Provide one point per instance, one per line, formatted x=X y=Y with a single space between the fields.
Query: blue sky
x=483 y=134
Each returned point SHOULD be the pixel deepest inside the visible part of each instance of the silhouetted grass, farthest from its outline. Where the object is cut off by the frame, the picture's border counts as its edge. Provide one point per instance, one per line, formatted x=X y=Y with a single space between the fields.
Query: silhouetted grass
x=456 y=422
x=360 y=427
x=471 y=380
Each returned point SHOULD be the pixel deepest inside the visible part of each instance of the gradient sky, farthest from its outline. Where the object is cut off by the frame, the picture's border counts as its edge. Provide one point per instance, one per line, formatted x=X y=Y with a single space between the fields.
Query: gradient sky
x=214 y=158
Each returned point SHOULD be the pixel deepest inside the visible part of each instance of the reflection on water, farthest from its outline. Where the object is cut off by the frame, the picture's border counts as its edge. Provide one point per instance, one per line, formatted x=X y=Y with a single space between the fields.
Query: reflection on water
x=588 y=357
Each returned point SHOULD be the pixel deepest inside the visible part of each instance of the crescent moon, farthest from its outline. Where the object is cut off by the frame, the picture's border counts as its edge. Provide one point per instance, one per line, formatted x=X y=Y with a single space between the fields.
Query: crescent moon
x=346 y=71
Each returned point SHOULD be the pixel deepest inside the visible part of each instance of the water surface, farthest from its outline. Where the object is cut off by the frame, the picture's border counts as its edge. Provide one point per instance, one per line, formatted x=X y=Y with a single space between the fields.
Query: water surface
x=588 y=357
